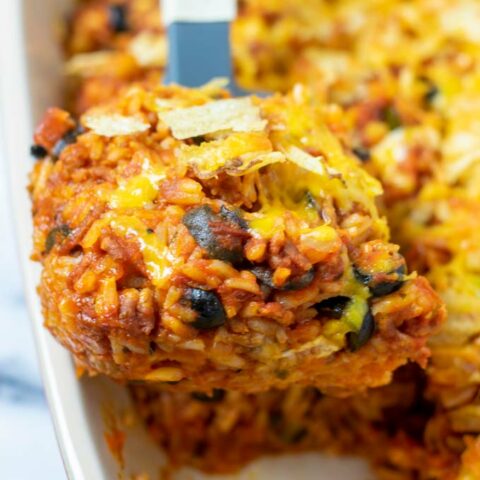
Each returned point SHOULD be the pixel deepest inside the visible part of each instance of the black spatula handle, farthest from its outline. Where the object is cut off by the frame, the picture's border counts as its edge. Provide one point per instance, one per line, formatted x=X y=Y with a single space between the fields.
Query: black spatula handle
x=199 y=40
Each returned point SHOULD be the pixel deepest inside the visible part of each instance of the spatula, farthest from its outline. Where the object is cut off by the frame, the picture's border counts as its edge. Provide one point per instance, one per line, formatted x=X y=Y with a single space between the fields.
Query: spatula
x=199 y=41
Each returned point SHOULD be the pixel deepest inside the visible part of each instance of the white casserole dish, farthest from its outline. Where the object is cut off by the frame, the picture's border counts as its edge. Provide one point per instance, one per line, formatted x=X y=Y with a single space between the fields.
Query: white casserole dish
x=30 y=81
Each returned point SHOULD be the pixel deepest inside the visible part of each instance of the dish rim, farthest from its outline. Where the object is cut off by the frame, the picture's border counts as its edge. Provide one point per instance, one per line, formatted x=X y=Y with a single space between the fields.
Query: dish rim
x=56 y=369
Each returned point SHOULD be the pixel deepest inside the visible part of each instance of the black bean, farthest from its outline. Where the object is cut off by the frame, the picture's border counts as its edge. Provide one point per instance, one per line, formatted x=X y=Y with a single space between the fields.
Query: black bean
x=37 y=151
x=431 y=94
x=233 y=216
x=432 y=90
x=197 y=221
x=265 y=275
x=385 y=286
x=391 y=117
x=365 y=278
x=302 y=281
x=361 y=153
x=201 y=222
x=208 y=306
x=61 y=231
x=69 y=138
x=333 y=307
x=311 y=201
x=356 y=340
x=216 y=396
x=117 y=18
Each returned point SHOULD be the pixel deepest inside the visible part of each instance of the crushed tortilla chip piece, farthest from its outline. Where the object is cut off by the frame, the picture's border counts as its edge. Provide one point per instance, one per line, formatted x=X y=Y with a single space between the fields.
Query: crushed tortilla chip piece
x=149 y=49
x=237 y=154
x=214 y=86
x=231 y=115
x=309 y=162
x=250 y=162
x=112 y=125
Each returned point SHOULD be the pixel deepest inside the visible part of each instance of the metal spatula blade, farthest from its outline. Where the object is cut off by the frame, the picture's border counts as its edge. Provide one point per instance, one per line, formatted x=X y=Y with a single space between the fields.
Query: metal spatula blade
x=199 y=41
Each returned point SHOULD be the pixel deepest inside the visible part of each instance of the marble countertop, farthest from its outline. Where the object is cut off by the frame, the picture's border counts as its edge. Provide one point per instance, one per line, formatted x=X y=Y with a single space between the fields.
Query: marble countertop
x=28 y=448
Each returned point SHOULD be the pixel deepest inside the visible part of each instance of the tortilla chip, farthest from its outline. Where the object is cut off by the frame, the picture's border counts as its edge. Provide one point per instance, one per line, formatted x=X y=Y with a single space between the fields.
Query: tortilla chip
x=113 y=125
x=237 y=154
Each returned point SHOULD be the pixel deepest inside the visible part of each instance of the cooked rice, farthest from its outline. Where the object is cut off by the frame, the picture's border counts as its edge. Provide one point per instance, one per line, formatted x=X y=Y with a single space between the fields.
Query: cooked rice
x=222 y=432
x=406 y=77
x=143 y=254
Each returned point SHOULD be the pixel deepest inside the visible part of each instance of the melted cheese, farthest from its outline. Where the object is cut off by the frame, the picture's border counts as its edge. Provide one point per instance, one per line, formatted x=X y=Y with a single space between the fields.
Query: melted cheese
x=285 y=187
x=358 y=306
x=155 y=253
x=140 y=190
x=355 y=313
x=329 y=173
